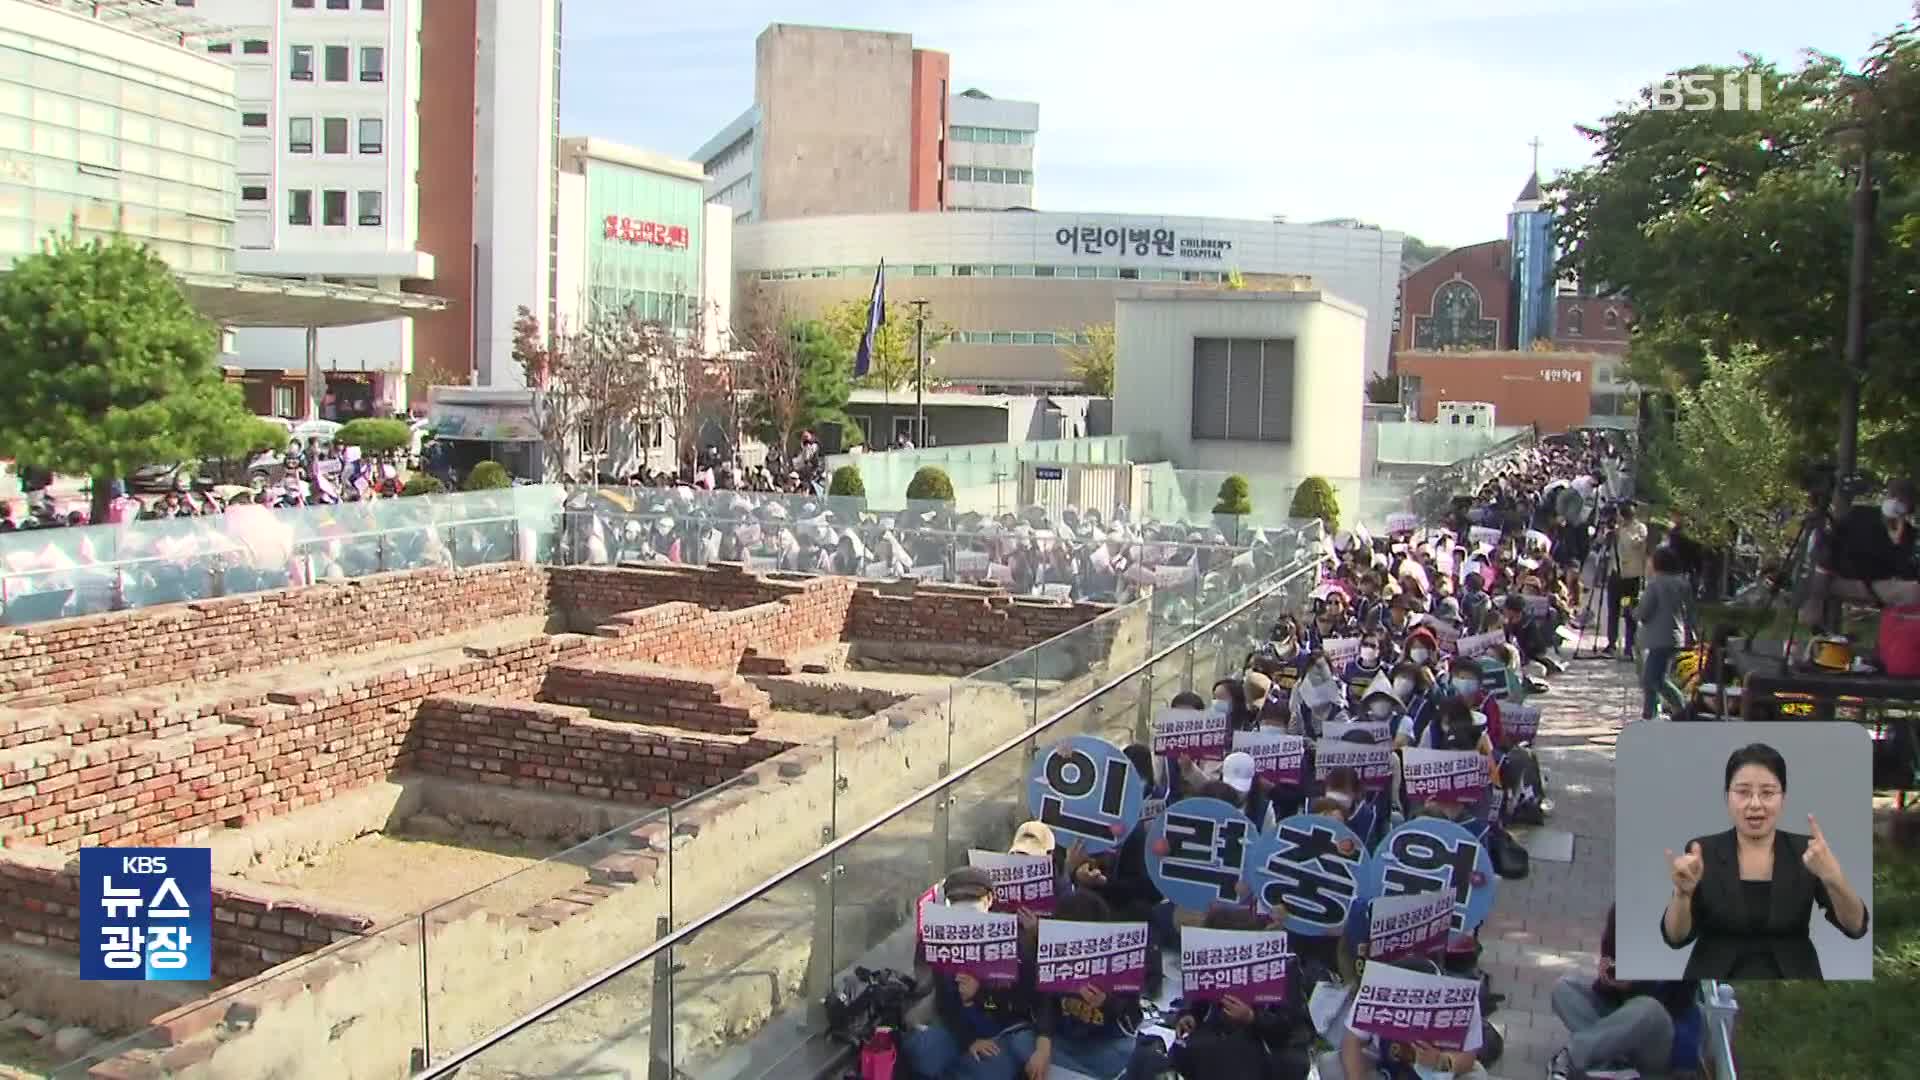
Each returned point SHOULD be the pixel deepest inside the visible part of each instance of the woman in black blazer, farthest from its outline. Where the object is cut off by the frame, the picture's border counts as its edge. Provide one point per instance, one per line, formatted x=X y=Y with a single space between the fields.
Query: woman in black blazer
x=1744 y=898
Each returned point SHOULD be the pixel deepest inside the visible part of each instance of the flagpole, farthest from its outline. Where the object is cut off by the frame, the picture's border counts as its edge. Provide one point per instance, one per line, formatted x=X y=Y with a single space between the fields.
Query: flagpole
x=920 y=373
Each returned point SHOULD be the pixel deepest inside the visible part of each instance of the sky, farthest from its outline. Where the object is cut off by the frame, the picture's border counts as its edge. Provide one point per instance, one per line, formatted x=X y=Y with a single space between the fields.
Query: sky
x=1408 y=114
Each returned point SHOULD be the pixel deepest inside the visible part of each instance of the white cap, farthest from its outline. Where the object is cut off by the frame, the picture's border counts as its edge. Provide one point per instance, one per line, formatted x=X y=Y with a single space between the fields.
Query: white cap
x=1237 y=772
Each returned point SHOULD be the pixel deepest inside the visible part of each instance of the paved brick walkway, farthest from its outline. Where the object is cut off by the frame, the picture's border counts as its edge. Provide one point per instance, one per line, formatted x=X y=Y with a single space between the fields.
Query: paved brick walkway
x=1548 y=924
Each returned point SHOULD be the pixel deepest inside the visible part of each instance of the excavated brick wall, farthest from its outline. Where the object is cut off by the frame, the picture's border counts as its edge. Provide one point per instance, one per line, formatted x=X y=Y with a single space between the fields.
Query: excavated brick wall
x=972 y=614
x=73 y=660
x=256 y=926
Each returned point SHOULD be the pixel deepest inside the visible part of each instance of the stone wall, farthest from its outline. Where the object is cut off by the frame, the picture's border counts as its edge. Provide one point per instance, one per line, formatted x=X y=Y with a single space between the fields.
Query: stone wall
x=73 y=660
x=564 y=750
x=256 y=927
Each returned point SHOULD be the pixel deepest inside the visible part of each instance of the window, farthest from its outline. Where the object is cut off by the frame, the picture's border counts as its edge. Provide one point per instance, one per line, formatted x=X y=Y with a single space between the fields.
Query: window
x=333 y=208
x=283 y=401
x=373 y=63
x=253 y=119
x=300 y=63
x=222 y=47
x=254 y=47
x=370 y=135
x=337 y=5
x=1576 y=320
x=1243 y=389
x=300 y=135
x=299 y=207
x=373 y=5
x=336 y=60
x=369 y=208
x=1612 y=319
x=253 y=193
x=333 y=134
x=299 y=4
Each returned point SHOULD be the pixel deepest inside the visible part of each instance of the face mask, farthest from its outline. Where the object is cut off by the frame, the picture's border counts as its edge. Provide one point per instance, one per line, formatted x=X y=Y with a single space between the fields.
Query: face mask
x=1219 y=710
x=1369 y=654
x=1380 y=710
x=1319 y=675
x=1420 y=656
x=1403 y=687
x=1465 y=686
x=1892 y=508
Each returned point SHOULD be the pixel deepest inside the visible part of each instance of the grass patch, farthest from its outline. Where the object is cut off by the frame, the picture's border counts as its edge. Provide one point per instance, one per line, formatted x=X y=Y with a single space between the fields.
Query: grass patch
x=1846 y=1030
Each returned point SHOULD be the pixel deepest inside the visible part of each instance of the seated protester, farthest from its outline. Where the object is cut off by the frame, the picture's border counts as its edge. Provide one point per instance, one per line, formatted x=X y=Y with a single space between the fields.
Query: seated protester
x=1422 y=648
x=980 y=1032
x=1369 y=610
x=1282 y=658
x=1413 y=685
x=1399 y=622
x=1093 y=1031
x=1258 y=799
x=1120 y=877
x=1526 y=634
x=1867 y=556
x=1467 y=679
x=1366 y=1057
x=1318 y=698
x=1615 y=1024
x=1230 y=1039
x=1463 y=948
x=1474 y=600
x=1036 y=838
x=1233 y=692
x=1363 y=669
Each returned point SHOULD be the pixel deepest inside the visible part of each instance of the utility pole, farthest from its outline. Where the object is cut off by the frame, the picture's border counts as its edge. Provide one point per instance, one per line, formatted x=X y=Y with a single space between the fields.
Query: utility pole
x=1859 y=279
x=920 y=373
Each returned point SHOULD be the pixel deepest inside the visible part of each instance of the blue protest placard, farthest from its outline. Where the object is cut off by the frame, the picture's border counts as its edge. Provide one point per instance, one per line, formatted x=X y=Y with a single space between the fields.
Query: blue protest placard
x=1085 y=789
x=1426 y=854
x=1312 y=866
x=1197 y=852
x=146 y=914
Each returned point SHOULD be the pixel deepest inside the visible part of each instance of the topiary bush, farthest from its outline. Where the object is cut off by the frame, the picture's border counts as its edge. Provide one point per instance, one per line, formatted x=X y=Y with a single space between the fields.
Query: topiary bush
x=932 y=483
x=375 y=436
x=1233 y=497
x=1315 y=498
x=846 y=481
x=488 y=476
x=422 y=484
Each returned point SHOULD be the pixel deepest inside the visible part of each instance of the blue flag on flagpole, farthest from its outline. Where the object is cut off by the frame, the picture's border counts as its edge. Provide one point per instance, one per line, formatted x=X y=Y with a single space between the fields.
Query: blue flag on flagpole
x=876 y=318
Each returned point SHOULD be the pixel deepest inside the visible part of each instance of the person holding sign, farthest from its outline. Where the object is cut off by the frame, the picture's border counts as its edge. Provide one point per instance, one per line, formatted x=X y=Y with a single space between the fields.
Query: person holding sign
x=1366 y=666
x=1743 y=898
x=1093 y=1031
x=1230 y=1038
x=980 y=1032
x=1318 y=699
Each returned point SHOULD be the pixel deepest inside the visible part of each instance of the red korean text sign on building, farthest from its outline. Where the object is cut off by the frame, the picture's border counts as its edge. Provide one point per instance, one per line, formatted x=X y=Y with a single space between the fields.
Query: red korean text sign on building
x=631 y=231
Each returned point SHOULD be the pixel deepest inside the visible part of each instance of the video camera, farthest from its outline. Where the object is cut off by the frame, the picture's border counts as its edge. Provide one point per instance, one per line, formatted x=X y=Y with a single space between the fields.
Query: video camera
x=1819 y=478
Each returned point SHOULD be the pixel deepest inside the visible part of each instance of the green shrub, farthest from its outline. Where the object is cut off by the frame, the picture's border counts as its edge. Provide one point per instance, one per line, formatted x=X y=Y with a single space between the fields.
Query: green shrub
x=931 y=483
x=846 y=481
x=423 y=484
x=1233 y=497
x=1315 y=498
x=375 y=436
x=488 y=476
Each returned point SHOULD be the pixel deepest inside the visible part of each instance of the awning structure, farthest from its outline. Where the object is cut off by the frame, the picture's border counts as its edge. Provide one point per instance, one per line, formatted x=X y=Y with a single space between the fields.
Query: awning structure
x=236 y=300
x=483 y=423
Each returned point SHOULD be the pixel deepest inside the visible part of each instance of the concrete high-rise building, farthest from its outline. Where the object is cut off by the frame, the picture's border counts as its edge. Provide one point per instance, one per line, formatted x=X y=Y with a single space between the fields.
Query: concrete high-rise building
x=858 y=122
x=329 y=160
x=517 y=177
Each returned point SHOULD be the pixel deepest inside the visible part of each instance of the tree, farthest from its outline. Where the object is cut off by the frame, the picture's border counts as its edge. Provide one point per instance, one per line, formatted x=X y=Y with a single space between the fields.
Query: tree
x=590 y=383
x=375 y=436
x=847 y=481
x=683 y=383
x=1315 y=498
x=488 y=476
x=930 y=482
x=894 y=365
x=108 y=367
x=799 y=377
x=1384 y=389
x=1724 y=461
x=1415 y=252
x=1233 y=497
x=1732 y=228
x=1092 y=362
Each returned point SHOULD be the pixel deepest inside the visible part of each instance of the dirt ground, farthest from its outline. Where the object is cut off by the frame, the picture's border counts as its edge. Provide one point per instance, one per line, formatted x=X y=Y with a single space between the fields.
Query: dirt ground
x=23 y=1057
x=400 y=874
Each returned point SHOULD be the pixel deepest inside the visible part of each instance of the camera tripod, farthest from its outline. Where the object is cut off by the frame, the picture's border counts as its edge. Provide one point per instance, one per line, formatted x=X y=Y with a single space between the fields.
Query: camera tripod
x=1605 y=551
x=1797 y=569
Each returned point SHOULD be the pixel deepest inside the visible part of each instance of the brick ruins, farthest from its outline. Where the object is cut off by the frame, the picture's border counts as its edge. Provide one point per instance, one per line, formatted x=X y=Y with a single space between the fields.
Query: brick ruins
x=166 y=725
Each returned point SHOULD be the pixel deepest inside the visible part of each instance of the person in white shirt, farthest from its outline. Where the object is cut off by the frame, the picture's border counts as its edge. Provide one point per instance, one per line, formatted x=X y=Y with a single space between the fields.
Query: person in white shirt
x=1623 y=584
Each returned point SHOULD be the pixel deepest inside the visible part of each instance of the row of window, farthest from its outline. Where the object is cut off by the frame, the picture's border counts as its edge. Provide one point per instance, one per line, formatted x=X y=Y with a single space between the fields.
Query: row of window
x=1016 y=270
x=996 y=136
x=333 y=205
x=336 y=61
x=334 y=132
x=980 y=174
x=1020 y=337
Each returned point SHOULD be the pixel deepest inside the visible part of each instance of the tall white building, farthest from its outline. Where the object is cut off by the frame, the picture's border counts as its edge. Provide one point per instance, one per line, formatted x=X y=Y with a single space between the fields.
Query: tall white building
x=328 y=162
x=990 y=152
x=517 y=177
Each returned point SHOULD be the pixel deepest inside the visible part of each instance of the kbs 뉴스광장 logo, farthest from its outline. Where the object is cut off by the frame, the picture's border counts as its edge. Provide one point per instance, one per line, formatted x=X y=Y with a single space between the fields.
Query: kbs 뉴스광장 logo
x=146 y=914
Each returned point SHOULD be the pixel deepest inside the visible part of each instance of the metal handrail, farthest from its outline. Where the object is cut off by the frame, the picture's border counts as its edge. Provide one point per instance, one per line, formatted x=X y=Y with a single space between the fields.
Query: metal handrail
x=451 y=1064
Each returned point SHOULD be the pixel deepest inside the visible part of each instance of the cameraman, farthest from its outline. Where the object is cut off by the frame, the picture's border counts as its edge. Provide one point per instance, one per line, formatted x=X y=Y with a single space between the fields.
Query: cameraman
x=1867 y=556
x=1629 y=569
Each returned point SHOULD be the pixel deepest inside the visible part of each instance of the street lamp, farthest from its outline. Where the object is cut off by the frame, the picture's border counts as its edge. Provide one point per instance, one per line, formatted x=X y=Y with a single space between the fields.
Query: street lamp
x=920 y=371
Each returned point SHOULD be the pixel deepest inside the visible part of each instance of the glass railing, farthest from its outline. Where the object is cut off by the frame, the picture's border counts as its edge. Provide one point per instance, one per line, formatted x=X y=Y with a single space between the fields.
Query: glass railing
x=985 y=476
x=727 y=993
x=473 y=963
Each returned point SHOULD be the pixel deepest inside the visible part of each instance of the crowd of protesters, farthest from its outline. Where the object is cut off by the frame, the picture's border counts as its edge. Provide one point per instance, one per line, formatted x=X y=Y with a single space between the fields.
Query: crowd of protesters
x=1513 y=565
